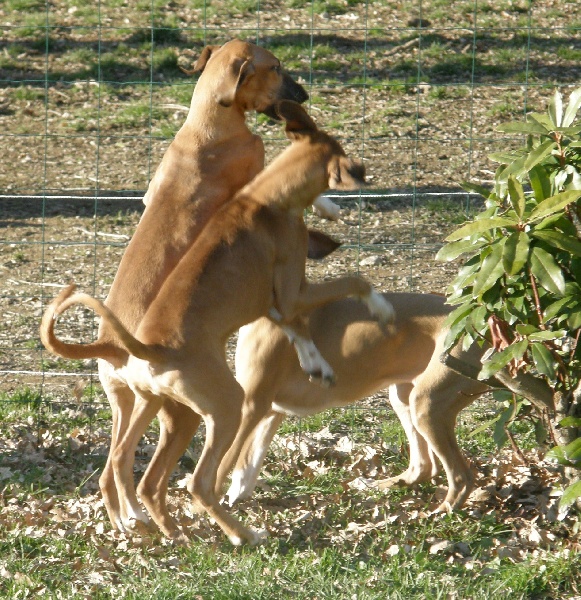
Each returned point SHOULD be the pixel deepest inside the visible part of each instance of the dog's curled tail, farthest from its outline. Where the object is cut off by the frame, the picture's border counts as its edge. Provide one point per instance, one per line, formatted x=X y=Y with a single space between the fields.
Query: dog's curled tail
x=99 y=349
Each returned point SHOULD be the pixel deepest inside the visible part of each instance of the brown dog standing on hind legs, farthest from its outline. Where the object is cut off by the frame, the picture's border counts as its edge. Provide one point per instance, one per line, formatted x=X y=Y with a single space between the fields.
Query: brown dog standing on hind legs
x=248 y=262
x=212 y=156
x=425 y=393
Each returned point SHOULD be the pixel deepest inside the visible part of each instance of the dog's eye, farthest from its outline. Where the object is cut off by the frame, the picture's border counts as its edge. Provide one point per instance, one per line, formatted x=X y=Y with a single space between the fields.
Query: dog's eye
x=276 y=69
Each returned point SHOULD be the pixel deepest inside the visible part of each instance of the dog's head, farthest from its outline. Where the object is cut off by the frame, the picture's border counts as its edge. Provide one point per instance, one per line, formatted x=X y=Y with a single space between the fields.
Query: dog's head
x=248 y=76
x=343 y=172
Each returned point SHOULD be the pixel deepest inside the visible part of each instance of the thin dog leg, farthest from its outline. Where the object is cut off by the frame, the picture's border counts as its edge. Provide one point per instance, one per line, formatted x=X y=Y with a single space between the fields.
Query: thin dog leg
x=121 y=400
x=123 y=459
x=249 y=463
x=434 y=413
x=313 y=295
x=178 y=423
x=423 y=464
x=223 y=403
x=253 y=413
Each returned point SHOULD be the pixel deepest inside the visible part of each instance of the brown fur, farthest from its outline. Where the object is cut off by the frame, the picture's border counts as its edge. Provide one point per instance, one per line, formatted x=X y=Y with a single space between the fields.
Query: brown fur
x=425 y=394
x=212 y=156
x=231 y=275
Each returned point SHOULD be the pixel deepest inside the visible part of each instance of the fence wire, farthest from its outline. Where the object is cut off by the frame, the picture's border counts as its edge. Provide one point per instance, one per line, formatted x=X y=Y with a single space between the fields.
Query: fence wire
x=91 y=94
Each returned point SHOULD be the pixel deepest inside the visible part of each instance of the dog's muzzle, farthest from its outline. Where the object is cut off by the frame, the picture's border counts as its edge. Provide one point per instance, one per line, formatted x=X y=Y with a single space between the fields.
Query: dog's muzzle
x=289 y=90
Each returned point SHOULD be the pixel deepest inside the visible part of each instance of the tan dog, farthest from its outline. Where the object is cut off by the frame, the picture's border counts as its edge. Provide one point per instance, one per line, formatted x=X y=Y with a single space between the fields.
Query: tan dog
x=425 y=394
x=248 y=262
x=212 y=156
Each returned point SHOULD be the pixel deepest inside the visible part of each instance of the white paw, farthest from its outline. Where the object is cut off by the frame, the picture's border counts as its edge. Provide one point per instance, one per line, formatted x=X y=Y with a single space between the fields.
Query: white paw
x=253 y=538
x=380 y=308
x=313 y=363
x=135 y=519
x=119 y=526
x=237 y=490
x=326 y=209
x=235 y=540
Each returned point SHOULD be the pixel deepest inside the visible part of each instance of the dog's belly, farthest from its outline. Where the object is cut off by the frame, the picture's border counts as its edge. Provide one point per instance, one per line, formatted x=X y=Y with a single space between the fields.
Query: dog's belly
x=306 y=398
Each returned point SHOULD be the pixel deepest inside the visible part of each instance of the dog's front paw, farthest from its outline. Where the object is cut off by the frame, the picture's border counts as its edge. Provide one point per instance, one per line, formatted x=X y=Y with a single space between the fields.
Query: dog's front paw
x=313 y=363
x=135 y=520
x=380 y=308
x=249 y=536
x=326 y=209
x=322 y=378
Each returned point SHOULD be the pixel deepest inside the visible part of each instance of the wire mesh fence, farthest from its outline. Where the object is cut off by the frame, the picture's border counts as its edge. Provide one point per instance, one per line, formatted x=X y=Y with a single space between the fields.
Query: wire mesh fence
x=91 y=94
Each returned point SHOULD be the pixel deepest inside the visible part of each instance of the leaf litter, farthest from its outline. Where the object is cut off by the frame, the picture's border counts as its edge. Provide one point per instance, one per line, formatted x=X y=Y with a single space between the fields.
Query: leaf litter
x=315 y=492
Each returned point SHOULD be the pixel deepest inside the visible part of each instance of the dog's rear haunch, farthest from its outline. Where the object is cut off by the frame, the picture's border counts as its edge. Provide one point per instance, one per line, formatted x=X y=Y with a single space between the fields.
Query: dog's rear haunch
x=248 y=262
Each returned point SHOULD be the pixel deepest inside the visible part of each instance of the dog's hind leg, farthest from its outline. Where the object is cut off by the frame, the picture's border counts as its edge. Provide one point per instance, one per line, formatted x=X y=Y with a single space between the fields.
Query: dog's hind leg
x=121 y=399
x=423 y=464
x=435 y=402
x=254 y=412
x=123 y=458
x=178 y=423
x=221 y=398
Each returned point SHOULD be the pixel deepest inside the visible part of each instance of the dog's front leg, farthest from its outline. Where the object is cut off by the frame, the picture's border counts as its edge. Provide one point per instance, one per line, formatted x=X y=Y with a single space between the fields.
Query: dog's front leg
x=308 y=296
x=251 y=457
x=310 y=359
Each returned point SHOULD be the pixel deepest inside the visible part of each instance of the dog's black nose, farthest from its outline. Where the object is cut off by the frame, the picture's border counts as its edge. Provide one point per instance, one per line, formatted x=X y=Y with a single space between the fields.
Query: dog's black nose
x=291 y=90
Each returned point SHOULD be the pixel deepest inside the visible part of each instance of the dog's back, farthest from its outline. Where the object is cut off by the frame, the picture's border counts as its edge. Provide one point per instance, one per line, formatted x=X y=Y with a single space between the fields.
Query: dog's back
x=364 y=356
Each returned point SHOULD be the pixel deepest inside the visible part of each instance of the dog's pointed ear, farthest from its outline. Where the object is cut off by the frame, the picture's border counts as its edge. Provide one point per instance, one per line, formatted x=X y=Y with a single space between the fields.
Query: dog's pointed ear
x=235 y=75
x=320 y=244
x=346 y=174
x=296 y=118
x=202 y=60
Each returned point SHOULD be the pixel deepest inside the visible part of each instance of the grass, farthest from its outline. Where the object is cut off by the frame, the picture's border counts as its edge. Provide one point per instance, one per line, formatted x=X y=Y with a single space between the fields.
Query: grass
x=327 y=540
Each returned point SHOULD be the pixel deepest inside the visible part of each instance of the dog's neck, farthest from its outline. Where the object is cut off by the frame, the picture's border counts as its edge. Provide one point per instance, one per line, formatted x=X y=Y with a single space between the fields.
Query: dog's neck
x=226 y=121
x=300 y=173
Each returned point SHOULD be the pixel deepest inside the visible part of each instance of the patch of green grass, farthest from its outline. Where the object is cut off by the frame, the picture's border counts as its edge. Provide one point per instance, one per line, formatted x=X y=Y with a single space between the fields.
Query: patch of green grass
x=504 y=110
x=569 y=53
x=335 y=7
x=447 y=210
x=434 y=50
x=278 y=569
x=25 y=5
x=134 y=115
x=165 y=59
x=448 y=92
x=24 y=399
x=167 y=130
x=398 y=86
x=458 y=65
x=19 y=256
x=62 y=364
x=32 y=28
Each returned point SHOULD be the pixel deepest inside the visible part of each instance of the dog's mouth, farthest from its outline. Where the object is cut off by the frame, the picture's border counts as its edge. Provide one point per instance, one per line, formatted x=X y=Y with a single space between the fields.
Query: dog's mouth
x=270 y=112
x=289 y=90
